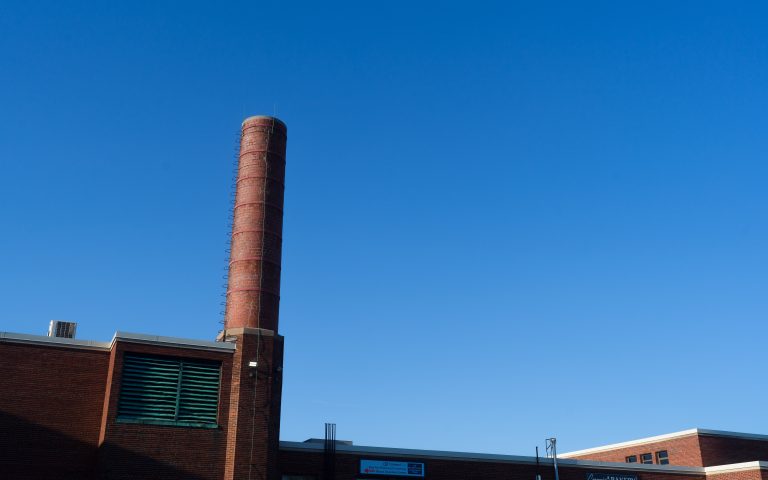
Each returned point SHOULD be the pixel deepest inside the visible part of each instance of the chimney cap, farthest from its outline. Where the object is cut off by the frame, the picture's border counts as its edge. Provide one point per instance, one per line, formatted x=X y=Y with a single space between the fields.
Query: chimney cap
x=265 y=117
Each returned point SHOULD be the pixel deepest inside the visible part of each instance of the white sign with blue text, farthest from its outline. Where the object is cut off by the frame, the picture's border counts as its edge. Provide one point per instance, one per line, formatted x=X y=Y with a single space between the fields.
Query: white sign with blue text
x=385 y=467
x=611 y=476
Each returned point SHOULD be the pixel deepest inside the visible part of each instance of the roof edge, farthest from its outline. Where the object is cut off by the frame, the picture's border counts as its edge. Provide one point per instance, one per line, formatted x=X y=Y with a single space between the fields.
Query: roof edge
x=173 y=342
x=736 y=467
x=725 y=433
x=518 y=459
x=630 y=443
x=667 y=436
x=489 y=457
x=9 y=337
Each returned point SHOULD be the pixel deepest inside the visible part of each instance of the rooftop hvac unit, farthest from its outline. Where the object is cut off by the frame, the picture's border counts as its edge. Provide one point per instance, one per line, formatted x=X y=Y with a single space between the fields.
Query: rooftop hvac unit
x=60 y=329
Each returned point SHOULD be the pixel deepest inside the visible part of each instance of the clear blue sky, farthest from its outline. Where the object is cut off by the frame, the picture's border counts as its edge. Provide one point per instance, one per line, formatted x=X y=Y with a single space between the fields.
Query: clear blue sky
x=503 y=221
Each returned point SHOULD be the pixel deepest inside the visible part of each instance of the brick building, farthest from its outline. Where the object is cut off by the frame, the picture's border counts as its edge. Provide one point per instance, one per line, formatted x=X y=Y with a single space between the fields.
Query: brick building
x=693 y=448
x=150 y=407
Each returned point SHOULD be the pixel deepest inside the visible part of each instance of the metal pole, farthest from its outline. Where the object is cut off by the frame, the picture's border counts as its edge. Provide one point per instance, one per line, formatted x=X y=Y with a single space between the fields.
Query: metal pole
x=552 y=451
x=538 y=471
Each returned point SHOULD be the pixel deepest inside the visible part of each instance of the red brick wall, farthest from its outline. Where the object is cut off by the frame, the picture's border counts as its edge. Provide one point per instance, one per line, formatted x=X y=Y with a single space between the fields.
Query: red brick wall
x=58 y=409
x=254 y=421
x=347 y=466
x=719 y=450
x=130 y=451
x=692 y=450
x=683 y=451
x=50 y=410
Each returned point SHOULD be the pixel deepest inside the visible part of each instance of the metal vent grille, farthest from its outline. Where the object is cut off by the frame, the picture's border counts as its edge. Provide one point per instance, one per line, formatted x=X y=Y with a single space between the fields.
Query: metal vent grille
x=167 y=390
x=60 y=329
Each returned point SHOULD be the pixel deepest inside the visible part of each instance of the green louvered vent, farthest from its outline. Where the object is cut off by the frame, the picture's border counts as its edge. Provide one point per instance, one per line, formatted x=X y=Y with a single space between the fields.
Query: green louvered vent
x=199 y=392
x=169 y=390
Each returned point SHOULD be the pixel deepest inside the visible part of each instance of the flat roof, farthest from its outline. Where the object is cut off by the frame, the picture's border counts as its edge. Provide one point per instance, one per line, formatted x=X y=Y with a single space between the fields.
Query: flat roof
x=121 y=336
x=667 y=436
x=362 y=450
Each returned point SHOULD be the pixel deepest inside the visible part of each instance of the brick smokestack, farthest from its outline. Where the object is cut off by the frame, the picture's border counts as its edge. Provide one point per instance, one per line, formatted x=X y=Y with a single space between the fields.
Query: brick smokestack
x=253 y=289
x=253 y=301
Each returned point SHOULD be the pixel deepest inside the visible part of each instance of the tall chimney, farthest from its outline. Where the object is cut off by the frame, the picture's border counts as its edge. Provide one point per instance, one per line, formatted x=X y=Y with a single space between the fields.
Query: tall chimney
x=253 y=289
x=253 y=298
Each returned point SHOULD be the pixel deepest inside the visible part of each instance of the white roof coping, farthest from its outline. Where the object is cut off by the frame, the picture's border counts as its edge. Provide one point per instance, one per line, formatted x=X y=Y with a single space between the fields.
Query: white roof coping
x=57 y=341
x=122 y=336
x=660 y=438
x=736 y=467
x=173 y=341
x=490 y=457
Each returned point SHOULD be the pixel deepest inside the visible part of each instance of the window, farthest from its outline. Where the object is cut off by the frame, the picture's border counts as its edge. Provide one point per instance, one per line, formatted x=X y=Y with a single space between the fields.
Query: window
x=169 y=391
x=662 y=457
x=646 y=458
x=631 y=459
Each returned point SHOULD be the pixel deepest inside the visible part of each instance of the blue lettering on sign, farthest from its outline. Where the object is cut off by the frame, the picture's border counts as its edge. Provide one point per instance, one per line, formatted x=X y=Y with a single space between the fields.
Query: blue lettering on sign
x=610 y=476
x=391 y=469
x=416 y=469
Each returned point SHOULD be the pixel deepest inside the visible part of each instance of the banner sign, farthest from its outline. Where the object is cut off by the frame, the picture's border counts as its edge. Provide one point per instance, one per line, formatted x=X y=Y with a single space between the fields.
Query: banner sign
x=611 y=476
x=399 y=469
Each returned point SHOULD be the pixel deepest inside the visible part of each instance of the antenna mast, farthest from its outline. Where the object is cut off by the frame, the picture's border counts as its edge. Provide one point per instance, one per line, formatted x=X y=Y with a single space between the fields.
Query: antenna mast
x=552 y=453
